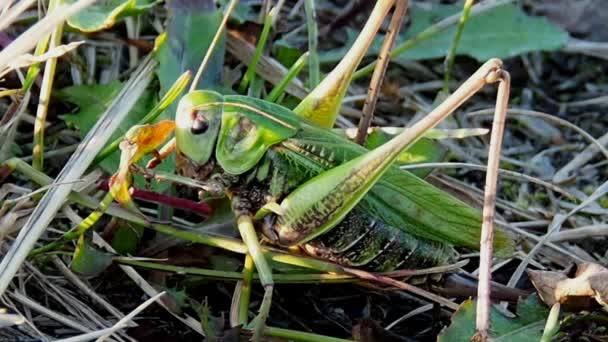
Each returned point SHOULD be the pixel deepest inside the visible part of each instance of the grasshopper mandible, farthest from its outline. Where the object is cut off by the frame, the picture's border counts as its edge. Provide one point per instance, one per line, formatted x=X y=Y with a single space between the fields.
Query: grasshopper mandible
x=304 y=185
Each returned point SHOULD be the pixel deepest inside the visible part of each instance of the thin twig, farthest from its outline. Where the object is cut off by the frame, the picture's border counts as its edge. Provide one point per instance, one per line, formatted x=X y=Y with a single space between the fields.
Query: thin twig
x=489 y=209
x=379 y=71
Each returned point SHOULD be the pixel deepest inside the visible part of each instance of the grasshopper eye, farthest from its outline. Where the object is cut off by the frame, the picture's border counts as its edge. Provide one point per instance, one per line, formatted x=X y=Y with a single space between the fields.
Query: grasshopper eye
x=199 y=125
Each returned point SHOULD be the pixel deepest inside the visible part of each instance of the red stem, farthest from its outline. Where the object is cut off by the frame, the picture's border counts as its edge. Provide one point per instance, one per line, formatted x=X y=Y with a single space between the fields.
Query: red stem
x=155 y=197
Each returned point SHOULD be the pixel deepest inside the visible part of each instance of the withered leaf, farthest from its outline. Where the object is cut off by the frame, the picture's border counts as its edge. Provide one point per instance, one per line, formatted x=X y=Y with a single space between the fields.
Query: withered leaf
x=590 y=282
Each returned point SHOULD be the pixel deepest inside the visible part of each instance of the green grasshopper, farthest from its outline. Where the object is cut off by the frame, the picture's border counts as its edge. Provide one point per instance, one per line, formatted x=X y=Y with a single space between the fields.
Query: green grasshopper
x=308 y=186
x=304 y=185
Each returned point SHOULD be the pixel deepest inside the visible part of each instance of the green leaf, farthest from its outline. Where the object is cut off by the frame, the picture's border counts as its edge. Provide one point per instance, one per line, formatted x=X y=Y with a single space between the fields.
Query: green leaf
x=528 y=326
x=286 y=53
x=103 y=14
x=89 y=260
x=505 y=31
x=242 y=12
x=190 y=29
x=422 y=151
x=126 y=238
x=92 y=101
x=502 y=32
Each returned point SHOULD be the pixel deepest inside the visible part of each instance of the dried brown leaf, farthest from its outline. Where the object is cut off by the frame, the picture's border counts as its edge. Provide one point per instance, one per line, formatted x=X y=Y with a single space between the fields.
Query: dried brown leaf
x=590 y=282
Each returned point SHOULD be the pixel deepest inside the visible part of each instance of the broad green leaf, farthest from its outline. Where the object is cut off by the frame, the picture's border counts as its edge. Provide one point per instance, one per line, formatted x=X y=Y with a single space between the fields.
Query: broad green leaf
x=190 y=29
x=242 y=12
x=89 y=260
x=504 y=31
x=422 y=151
x=103 y=14
x=528 y=326
x=126 y=238
x=92 y=101
x=286 y=53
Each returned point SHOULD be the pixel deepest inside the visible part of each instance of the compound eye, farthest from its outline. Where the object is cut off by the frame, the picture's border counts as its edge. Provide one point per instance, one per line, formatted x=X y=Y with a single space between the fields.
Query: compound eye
x=199 y=125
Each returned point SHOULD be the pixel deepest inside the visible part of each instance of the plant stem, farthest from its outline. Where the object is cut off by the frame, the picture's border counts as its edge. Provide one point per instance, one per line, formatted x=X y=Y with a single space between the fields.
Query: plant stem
x=216 y=39
x=380 y=70
x=258 y=52
x=300 y=335
x=276 y=92
x=314 y=71
x=449 y=59
x=45 y=94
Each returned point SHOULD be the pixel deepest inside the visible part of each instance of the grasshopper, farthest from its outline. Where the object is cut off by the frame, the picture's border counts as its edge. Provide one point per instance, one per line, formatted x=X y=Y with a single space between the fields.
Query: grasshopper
x=304 y=185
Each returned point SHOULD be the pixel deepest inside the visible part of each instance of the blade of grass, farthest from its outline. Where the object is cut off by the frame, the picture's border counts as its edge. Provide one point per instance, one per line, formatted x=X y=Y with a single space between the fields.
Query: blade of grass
x=449 y=59
x=74 y=169
x=278 y=90
x=314 y=71
x=216 y=39
x=45 y=94
x=258 y=52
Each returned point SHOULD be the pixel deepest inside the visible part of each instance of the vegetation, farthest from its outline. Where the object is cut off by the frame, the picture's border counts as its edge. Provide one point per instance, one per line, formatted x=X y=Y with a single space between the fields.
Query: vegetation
x=154 y=156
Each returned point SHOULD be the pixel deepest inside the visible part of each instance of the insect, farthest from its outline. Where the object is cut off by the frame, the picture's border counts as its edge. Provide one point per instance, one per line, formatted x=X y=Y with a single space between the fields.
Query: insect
x=305 y=185
x=300 y=184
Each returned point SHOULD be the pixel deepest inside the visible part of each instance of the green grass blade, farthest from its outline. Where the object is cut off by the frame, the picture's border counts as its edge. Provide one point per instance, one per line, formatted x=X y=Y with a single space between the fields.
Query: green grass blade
x=248 y=77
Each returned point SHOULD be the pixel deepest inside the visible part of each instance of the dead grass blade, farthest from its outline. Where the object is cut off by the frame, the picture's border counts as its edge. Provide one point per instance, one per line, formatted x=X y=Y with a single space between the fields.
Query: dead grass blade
x=74 y=169
x=28 y=39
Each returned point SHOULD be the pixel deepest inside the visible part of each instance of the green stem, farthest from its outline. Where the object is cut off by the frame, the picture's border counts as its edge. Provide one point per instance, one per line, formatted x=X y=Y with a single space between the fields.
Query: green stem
x=276 y=92
x=79 y=230
x=34 y=69
x=302 y=278
x=258 y=52
x=300 y=336
x=178 y=86
x=449 y=60
x=314 y=71
x=45 y=95
x=233 y=245
x=552 y=325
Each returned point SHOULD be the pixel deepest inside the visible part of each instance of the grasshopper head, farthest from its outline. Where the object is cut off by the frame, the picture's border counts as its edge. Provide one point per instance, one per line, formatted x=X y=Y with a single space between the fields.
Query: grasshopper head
x=198 y=121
